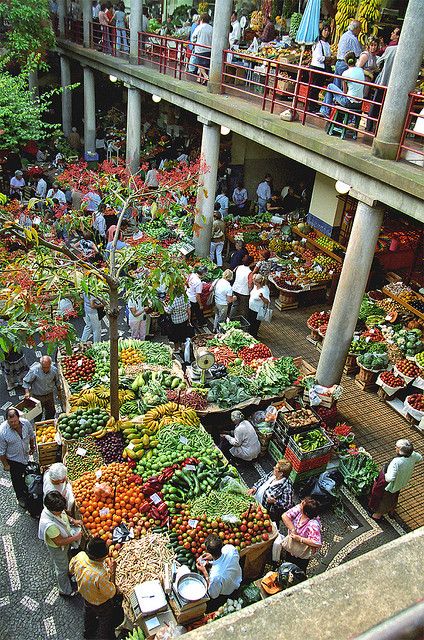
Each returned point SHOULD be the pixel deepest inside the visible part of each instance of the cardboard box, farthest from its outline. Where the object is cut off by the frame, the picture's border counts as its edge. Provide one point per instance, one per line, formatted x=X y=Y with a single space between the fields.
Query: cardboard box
x=29 y=408
x=148 y=625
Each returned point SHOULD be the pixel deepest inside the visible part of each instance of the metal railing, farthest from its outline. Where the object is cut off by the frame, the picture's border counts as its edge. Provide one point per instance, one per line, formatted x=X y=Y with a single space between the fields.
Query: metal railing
x=178 y=58
x=278 y=86
x=114 y=41
x=74 y=30
x=411 y=147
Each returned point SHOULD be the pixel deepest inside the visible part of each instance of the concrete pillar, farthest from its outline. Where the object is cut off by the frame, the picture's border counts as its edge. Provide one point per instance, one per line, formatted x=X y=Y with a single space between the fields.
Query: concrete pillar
x=33 y=82
x=65 y=80
x=61 y=17
x=349 y=294
x=221 y=30
x=406 y=67
x=135 y=27
x=209 y=155
x=133 y=129
x=87 y=16
x=89 y=111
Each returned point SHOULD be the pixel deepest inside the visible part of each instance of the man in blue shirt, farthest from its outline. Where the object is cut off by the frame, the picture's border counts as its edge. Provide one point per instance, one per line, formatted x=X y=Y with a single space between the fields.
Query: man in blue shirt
x=348 y=42
x=222 y=569
x=17 y=442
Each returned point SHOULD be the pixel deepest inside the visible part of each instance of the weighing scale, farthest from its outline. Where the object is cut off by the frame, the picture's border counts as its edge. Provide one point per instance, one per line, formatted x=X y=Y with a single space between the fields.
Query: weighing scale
x=147 y=598
x=204 y=360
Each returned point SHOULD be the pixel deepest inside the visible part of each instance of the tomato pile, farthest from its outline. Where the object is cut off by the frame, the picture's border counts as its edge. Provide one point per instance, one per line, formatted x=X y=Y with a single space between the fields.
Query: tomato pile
x=257 y=351
x=408 y=368
x=317 y=319
x=78 y=367
x=416 y=401
x=391 y=380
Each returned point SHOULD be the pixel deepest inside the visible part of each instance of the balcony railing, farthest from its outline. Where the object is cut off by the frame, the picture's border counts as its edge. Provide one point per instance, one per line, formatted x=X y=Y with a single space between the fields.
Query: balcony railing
x=276 y=86
x=74 y=30
x=411 y=146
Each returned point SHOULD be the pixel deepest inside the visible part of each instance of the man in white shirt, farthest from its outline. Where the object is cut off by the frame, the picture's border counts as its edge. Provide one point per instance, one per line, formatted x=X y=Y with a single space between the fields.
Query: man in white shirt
x=194 y=291
x=245 y=442
x=41 y=189
x=17 y=184
x=235 y=33
x=264 y=193
x=152 y=177
x=220 y=567
x=56 y=193
x=223 y=297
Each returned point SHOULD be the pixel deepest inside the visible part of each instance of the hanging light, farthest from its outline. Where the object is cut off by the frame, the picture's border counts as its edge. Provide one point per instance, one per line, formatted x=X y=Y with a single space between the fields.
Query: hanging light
x=342 y=187
x=225 y=131
x=113 y=78
x=156 y=98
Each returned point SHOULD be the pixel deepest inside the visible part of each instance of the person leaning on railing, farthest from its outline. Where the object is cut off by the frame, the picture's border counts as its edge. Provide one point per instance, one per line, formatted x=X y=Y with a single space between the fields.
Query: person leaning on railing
x=353 y=91
x=321 y=60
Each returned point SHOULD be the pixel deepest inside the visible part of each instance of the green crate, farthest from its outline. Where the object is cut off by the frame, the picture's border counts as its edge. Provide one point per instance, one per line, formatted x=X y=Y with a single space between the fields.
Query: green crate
x=300 y=477
x=275 y=453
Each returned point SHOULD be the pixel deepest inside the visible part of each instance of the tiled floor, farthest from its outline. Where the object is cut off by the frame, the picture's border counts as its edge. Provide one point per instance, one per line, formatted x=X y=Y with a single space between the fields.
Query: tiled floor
x=376 y=425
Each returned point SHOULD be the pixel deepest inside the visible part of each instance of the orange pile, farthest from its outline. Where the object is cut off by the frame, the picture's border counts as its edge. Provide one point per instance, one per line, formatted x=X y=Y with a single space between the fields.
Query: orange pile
x=123 y=502
x=130 y=356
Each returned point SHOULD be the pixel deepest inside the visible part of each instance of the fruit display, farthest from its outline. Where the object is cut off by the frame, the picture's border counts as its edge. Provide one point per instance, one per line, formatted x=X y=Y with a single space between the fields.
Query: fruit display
x=82 y=422
x=317 y=319
x=407 y=368
x=310 y=440
x=369 y=15
x=419 y=359
x=111 y=446
x=78 y=368
x=98 y=397
x=373 y=361
x=45 y=432
x=346 y=12
x=257 y=21
x=295 y=20
x=391 y=380
x=416 y=401
x=82 y=456
x=130 y=356
x=360 y=345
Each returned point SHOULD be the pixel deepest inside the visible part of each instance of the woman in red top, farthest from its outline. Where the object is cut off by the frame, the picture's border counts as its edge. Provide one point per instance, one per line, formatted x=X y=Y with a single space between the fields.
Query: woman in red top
x=104 y=25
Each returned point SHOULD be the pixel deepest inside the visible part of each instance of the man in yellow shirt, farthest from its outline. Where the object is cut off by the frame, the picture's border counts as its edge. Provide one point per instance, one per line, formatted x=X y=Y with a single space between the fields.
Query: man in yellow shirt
x=95 y=576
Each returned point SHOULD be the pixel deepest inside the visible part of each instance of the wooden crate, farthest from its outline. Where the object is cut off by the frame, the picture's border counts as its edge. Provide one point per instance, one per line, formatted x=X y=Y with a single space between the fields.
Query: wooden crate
x=326 y=401
x=351 y=366
x=48 y=452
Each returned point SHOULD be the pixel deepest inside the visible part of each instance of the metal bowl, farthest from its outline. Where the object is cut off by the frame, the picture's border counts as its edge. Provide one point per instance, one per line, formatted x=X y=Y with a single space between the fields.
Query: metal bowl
x=192 y=587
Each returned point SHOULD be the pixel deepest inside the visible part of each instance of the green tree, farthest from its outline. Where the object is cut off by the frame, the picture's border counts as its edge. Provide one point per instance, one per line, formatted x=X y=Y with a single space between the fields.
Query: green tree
x=31 y=33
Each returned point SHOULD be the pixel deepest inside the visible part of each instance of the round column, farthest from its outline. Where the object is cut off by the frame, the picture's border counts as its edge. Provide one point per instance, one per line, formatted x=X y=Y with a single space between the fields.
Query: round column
x=221 y=30
x=135 y=26
x=133 y=129
x=89 y=111
x=350 y=291
x=406 y=66
x=209 y=156
x=61 y=17
x=87 y=16
x=65 y=79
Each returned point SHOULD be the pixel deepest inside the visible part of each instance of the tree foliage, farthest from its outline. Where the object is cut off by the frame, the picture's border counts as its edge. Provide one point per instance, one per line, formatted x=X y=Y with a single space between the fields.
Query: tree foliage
x=31 y=33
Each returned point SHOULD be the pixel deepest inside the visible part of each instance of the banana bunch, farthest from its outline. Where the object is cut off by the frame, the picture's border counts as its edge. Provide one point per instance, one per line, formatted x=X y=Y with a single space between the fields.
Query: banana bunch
x=111 y=426
x=369 y=14
x=257 y=21
x=136 y=634
x=87 y=399
x=169 y=413
x=346 y=12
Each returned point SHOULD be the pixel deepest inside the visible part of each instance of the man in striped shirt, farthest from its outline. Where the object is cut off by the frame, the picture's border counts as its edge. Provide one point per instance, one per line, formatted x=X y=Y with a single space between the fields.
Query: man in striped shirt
x=96 y=584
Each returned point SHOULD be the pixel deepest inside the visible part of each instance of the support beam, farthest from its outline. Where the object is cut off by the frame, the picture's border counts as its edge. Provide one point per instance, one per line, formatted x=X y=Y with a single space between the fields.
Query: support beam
x=89 y=111
x=65 y=80
x=61 y=10
x=209 y=155
x=406 y=66
x=133 y=129
x=349 y=294
x=135 y=26
x=87 y=17
x=33 y=82
x=221 y=30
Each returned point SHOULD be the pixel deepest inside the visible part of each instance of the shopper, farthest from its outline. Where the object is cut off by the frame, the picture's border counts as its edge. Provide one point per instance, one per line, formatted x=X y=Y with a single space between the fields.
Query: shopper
x=241 y=288
x=137 y=318
x=223 y=296
x=223 y=201
x=152 y=177
x=244 y=442
x=93 y=327
x=321 y=59
x=263 y=193
x=40 y=382
x=259 y=297
x=202 y=38
x=240 y=197
x=94 y=572
x=220 y=566
x=17 y=184
x=265 y=266
x=348 y=43
x=238 y=255
x=385 y=64
x=56 y=479
x=304 y=532
x=194 y=292
x=218 y=237
x=98 y=223
x=105 y=29
x=41 y=188
x=235 y=31
x=74 y=139
x=55 y=530
x=275 y=491
x=386 y=489
x=56 y=193
x=368 y=59
x=180 y=313
x=17 y=443
x=120 y=22
x=353 y=91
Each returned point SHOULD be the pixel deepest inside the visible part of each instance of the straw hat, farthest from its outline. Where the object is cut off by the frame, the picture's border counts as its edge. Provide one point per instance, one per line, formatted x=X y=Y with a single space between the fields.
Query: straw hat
x=269 y=583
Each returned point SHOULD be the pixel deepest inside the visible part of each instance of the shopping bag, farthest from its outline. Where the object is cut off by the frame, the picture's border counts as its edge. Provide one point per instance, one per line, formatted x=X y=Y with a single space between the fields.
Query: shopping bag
x=265 y=313
x=295 y=548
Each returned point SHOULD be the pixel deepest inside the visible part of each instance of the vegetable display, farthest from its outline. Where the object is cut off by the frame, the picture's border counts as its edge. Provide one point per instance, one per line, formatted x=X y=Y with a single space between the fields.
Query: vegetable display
x=111 y=446
x=359 y=471
x=301 y=418
x=409 y=341
x=227 y=392
x=391 y=380
x=420 y=359
x=142 y=560
x=82 y=456
x=234 y=339
x=310 y=440
x=191 y=399
x=257 y=351
x=82 y=423
x=218 y=504
x=374 y=361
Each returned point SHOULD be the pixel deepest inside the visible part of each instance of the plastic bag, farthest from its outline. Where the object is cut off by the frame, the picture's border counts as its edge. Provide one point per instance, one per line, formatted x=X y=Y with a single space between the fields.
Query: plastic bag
x=187 y=351
x=121 y=534
x=257 y=418
x=264 y=314
x=232 y=485
x=271 y=414
x=102 y=490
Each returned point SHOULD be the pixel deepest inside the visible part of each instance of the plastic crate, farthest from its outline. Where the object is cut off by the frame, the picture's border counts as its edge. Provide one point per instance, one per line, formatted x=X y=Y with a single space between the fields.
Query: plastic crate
x=275 y=453
x=301 y=466
x=283 y=424
x=300 y=477
x=306 y=455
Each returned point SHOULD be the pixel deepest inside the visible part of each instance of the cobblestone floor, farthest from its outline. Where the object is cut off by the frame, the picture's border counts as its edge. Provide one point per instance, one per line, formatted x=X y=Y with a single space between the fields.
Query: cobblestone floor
x=30 y=607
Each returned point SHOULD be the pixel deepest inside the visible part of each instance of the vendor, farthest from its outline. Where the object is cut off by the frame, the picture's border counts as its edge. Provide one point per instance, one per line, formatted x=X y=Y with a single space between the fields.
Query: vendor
x=275 y=491
x=56 y=479
x=275 y=204
x=220 y=567
x=244 y=441
x=238 y=255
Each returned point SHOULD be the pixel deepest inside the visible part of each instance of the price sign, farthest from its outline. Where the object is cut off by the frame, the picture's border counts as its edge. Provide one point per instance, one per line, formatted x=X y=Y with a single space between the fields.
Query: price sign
x=183 y=440
x=81 y=452
x=79 y=363
x=98 y=474
x=104 y=511
x=131 y=446
x=192 y=523
x=189 y=467
x=367 y=339
x=155 y=498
